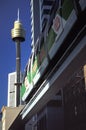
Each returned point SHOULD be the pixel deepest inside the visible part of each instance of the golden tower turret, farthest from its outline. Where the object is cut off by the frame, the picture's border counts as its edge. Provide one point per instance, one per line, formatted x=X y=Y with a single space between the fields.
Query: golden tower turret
x=18 y=33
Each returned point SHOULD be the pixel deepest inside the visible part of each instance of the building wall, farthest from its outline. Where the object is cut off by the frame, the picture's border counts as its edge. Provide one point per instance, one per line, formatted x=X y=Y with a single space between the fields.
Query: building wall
x=40 y=13
x=12 y=89
x=51 y=117
x=45 y=8
x=8 y=116
x=68 y=113
x=55 y=116
x=74 y=96
x=35 y=20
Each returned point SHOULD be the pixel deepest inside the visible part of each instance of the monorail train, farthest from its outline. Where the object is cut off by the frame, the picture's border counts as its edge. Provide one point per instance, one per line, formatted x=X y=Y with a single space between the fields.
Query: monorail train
x=51 y=45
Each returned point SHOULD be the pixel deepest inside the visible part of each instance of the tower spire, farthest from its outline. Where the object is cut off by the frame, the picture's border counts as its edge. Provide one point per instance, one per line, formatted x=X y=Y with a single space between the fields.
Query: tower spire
x=18 y=15
x=18 y=35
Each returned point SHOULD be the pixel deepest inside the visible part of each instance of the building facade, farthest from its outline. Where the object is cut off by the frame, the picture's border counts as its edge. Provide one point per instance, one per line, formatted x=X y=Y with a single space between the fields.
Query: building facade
x=12 y=91
x=40 y=14
x=35 y=20
x=45 y=9
x=66 y=110
x=69 y=111
x=8 y=115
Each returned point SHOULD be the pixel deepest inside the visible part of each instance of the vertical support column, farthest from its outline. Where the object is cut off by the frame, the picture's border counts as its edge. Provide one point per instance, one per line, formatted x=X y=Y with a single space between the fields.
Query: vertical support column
x=18 y=61
x=18 y=66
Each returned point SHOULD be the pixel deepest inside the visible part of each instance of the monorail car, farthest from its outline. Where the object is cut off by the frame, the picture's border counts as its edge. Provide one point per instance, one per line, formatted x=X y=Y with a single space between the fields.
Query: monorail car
x=62 y=19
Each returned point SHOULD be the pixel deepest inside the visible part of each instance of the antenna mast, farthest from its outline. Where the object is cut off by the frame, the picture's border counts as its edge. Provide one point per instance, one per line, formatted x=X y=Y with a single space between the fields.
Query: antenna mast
x=18 y=15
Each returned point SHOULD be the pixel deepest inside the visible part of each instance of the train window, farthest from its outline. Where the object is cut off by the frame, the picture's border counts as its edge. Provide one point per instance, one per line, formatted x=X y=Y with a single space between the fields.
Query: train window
x=42 y=52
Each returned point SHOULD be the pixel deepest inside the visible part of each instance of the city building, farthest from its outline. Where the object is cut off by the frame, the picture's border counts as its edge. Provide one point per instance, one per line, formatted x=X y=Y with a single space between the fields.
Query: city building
x=67 y=109
x=74 y=98
x=35 y=20
x=8 y=115
x=46 y=6
x=50 y=117
x=12 y=94
x=40 y=14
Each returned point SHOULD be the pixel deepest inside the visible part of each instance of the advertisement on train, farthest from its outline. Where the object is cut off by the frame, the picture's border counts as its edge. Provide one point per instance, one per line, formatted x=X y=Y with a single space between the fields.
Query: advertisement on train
x=38 y=61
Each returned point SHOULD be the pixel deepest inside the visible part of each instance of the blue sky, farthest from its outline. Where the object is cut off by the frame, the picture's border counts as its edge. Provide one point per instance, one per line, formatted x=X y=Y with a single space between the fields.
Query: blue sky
x=8 y=14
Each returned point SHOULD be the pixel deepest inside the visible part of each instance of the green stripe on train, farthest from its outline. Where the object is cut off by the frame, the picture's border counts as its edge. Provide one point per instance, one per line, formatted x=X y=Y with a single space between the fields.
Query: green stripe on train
x=22 y=90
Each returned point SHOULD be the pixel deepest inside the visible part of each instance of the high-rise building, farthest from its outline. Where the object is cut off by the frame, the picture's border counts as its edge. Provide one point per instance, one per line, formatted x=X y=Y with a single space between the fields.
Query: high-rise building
x=35 y=20
x=40 y=13
x=45 y=9
x=12 y=90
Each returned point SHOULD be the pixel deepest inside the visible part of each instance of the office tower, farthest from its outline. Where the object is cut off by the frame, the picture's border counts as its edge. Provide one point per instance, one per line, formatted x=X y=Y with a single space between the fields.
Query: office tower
x=12 y=90
x=35 y=20
x=40 y=13
x=45 y=9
